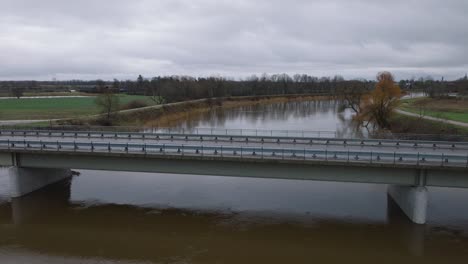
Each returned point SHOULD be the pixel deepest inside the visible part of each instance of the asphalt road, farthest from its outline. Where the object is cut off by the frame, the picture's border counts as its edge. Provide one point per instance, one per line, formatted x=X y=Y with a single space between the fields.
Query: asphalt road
x=387 y=147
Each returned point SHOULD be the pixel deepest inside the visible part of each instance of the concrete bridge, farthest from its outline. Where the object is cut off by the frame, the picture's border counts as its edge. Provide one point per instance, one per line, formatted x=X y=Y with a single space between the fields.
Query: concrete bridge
x=40 y=157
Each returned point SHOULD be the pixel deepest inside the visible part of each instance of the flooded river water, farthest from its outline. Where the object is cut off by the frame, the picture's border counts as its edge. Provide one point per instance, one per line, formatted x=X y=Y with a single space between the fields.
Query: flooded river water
x=121 y=217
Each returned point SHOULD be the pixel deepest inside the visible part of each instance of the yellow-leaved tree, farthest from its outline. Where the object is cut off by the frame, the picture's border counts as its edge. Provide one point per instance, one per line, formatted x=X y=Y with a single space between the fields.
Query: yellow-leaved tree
x=382 y=101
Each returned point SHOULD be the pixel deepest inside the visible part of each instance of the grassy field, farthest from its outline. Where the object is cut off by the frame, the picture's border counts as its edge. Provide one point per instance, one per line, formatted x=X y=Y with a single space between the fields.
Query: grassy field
x=402 y=124
x=451 y=109
x=52 y=108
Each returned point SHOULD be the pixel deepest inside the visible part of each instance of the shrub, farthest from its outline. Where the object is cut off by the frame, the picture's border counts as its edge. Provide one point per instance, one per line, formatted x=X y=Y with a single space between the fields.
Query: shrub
x=134 y=104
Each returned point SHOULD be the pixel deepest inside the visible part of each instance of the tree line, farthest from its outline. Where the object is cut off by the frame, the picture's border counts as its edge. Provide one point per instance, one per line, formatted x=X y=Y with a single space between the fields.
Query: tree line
x=180 y=88
x=437 y=88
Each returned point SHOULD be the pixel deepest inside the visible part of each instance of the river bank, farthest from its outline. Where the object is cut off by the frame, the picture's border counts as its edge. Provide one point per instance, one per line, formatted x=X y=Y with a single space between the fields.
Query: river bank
x=432 y=130
x=191 y=114
x=168 y=115
x=454 y=109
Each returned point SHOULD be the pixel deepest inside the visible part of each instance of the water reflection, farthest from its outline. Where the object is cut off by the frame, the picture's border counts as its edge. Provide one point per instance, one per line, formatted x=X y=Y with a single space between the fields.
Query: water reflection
x=108 y=217
x=76 y=230
x=318 y=115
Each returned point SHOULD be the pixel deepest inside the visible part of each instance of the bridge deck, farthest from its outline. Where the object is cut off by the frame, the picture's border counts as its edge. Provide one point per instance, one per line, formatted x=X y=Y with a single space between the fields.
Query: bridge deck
x=217 y=140
x=349 y=160
x=369 y=155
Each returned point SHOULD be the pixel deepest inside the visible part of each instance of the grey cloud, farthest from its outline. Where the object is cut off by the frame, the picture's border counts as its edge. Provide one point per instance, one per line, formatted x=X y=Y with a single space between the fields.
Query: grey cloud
x=117 y=38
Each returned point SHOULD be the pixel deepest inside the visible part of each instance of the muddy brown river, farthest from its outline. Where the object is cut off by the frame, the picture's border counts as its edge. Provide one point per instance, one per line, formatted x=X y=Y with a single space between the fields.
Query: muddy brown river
x=122 y=217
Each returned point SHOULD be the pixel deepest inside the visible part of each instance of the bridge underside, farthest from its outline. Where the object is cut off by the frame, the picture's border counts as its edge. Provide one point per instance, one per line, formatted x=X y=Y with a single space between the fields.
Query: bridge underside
x=257 y=168
x=406 y=183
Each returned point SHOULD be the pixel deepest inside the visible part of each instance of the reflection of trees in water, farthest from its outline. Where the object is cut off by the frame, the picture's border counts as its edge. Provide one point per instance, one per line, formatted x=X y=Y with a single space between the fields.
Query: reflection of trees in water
x=259 y=114
x=348 y=127
x=276 y=111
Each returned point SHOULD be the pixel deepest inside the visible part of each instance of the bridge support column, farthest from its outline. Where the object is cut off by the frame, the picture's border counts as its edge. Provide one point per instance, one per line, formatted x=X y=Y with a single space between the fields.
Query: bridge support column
x=27 y=180
x=412 y=201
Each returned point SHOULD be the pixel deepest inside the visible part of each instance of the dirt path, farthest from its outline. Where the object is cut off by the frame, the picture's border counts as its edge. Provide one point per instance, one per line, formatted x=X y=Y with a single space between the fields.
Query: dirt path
x=456 y=123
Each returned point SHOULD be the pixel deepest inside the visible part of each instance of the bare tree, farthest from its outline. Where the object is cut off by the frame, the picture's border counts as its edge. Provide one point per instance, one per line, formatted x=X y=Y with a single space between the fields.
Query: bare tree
x=116 y=85
x=353 y=95
x=101 y=86
x=108 y=103
x=17 y=92
x=155 y=91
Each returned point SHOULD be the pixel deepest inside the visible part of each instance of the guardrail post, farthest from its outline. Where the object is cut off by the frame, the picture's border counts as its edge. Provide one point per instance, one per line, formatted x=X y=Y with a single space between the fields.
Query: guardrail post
x=371 y=157
x=417 y=163
x=394 y=158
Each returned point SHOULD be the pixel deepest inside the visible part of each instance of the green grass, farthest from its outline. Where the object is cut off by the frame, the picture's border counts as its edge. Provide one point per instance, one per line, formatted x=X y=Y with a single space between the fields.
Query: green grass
x=445 y=109
x=413 y=125
x=52 y=108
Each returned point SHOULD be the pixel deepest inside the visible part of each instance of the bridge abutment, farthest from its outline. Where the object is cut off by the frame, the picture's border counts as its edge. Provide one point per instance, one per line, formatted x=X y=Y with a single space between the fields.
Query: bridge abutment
x=24 y=181
x=412 y=200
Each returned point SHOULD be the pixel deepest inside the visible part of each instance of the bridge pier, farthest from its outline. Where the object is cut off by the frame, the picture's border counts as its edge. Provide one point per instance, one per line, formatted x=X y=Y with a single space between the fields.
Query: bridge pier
x=412 y=201
x=24 y=181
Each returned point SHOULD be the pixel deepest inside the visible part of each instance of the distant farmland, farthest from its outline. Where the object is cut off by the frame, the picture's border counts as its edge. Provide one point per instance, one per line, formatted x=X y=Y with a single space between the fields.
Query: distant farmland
x=53 y=108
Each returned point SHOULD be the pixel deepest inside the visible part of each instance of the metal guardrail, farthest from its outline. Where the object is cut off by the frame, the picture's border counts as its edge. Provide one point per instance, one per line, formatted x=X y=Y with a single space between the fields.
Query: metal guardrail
x=246 y=132
x=242 y=153
x=249 y=132
x=240 y=138
x=307 y=134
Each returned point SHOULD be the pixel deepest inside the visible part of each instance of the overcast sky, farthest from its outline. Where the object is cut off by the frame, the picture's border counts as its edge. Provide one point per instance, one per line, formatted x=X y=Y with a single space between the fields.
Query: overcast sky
x=90 y=39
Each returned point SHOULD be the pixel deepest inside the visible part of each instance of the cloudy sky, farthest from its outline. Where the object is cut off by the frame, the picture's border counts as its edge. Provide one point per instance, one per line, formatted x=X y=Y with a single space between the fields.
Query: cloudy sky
x=90 y=39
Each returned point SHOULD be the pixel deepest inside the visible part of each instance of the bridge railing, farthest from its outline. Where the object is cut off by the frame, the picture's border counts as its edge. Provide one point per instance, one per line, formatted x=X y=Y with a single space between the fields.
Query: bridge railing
x=247 y=153
x=213 y=135
x=251 y=132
